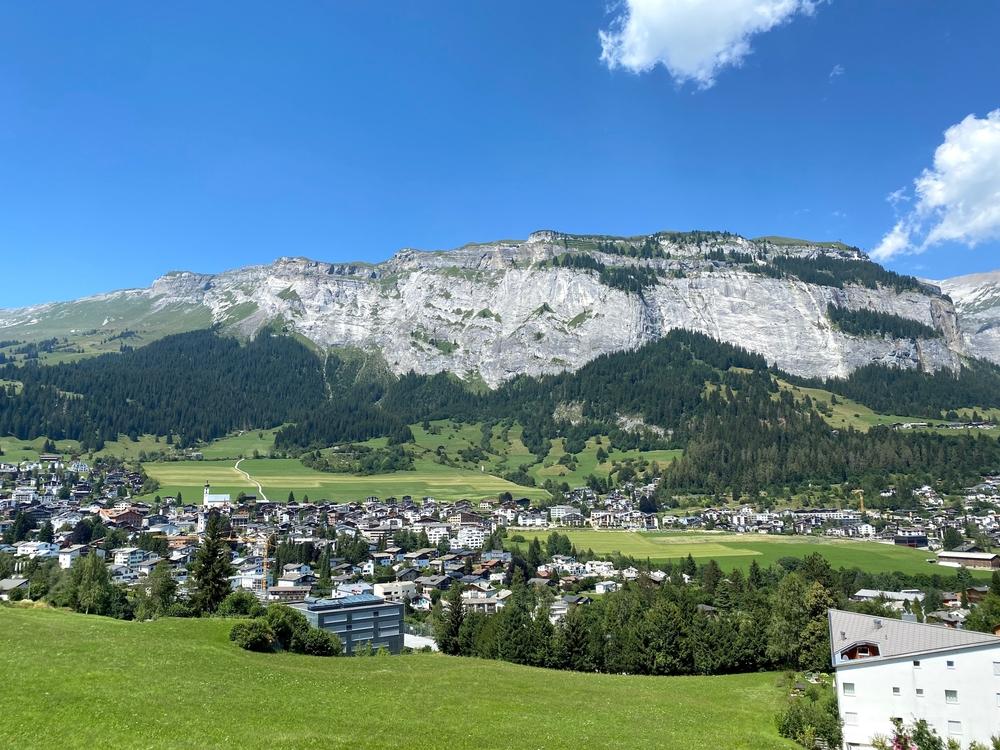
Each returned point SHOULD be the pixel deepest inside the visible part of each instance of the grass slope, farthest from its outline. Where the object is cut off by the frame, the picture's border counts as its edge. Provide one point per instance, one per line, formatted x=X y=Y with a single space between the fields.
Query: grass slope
x=279 y=476
x=94 y=682
x=739 y=550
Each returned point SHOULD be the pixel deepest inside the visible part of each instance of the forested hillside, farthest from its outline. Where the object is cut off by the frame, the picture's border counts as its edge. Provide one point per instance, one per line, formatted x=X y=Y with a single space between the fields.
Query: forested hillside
x=198 y=386
x=720 y=403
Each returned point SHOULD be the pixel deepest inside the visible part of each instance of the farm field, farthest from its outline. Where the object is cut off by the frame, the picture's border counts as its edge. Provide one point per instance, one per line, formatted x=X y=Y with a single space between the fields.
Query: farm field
x=739 y=550
x=182 y=684
x=279 y=476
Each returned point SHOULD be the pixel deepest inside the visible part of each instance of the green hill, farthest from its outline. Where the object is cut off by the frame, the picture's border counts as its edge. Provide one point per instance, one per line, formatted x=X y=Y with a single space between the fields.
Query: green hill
x=182 y=684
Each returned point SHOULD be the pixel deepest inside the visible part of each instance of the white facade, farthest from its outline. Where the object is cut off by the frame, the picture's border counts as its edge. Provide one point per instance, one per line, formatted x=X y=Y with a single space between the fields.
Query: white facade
x=887 y=669
x=957 y=692
x=214 y=501
x=395 y=591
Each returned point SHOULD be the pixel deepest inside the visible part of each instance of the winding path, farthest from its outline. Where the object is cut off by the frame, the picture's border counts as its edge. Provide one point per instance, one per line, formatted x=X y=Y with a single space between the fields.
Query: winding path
x=251 y=480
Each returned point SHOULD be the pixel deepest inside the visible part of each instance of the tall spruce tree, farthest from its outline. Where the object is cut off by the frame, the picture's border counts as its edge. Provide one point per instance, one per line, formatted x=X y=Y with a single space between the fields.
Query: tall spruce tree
x=451 y=622
x=211 y=568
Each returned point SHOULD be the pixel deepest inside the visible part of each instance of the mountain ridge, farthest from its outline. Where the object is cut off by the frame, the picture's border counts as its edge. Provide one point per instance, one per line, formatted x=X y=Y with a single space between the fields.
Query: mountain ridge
x=552 y=302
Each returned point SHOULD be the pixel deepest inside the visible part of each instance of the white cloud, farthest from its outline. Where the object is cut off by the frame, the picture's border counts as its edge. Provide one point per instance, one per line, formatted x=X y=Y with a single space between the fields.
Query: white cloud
x=693 y=39
x=837 y=71
x=958 y=199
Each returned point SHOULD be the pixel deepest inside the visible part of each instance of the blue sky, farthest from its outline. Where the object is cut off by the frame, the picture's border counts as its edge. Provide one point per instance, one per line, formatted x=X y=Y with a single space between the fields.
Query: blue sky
x=137 y=138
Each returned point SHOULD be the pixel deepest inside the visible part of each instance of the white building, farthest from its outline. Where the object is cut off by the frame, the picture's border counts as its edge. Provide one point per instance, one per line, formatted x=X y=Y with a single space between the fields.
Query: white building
x=128 y=556
x=214 y=501
x=889 y=669
x=558 y=512
x=395 y=591
x=471 y=537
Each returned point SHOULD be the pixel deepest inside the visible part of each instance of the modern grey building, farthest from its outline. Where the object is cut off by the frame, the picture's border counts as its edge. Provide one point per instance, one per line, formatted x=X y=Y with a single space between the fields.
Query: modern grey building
x=358 y=620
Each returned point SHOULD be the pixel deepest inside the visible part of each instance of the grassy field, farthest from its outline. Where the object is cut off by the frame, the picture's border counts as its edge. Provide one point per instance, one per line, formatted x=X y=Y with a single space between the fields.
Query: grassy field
x=240 y=446
x=739 y=550
x=280 y=476
x=94 y=682
x=15 y=450
x=508 y=452
x=847 y=413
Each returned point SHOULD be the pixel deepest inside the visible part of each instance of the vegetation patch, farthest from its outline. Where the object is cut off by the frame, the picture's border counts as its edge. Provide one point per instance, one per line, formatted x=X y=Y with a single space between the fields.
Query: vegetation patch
x=151 y=673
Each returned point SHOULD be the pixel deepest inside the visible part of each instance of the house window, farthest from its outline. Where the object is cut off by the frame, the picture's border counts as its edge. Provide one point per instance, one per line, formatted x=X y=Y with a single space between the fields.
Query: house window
x=916 y=663
x=954 y=727
x=920 y=692
x=951 y=664
x=895 y=691
x=864 y=651
x=851 y=719
x=848 y=688
x=951 y=696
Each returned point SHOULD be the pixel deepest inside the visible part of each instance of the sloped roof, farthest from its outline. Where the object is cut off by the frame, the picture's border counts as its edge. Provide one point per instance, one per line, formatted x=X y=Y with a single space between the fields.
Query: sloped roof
x=897 y=637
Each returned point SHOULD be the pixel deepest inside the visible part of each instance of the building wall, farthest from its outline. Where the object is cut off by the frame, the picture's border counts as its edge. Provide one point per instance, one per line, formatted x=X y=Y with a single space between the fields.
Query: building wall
x=975 y=675
x=378 y=624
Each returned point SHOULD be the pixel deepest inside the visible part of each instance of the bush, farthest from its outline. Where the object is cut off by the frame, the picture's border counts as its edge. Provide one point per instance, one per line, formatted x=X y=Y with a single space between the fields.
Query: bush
x=253 y=635
x=812 y=716
x=317 y=642
x=240 y=603
x=287 y=624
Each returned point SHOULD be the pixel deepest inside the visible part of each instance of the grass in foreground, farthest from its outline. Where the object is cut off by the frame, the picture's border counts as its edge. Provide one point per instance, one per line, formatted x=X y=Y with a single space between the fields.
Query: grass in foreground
x=739 y=550
x=95 y=682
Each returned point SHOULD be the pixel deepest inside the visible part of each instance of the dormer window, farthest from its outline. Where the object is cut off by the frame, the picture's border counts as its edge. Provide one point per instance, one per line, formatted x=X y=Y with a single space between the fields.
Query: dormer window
x=859 y=651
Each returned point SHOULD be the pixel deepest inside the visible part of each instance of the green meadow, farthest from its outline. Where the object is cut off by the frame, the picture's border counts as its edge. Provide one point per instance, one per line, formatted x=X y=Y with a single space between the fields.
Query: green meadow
x=182 y=684
x=739 y=550
x=280 y=476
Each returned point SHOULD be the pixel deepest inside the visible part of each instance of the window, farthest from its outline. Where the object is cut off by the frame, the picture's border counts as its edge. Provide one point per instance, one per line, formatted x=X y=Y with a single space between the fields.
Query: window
x=951 y=696
x=864 y=651
x=996 y=667
x=954 y=727
x=951 y=664
x=851 y=719
x=920 y=692
x=916 y=663
x=848 y=688
x=895 y=691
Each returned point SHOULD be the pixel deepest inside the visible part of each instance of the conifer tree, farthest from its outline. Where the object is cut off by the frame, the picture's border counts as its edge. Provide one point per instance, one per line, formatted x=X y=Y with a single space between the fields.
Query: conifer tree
x=211 y=568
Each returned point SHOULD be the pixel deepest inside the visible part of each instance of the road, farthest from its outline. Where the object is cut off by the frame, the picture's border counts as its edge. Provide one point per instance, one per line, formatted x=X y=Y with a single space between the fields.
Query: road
x=260 y=490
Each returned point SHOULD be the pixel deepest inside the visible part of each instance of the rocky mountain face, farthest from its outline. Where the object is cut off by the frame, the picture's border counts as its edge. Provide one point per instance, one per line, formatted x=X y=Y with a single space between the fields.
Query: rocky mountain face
x=493 y=311
x=977 y=300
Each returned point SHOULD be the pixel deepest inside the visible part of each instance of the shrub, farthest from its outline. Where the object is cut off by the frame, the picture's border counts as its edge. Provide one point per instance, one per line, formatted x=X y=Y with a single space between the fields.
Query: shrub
x=287 y=624
x=240 y=603
x=317 y=642
x=253 y=635
x=811 y=717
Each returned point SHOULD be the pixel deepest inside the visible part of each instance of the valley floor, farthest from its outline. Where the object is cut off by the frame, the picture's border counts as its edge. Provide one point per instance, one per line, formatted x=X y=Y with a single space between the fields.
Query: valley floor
x=95 y=682
x=739 y=550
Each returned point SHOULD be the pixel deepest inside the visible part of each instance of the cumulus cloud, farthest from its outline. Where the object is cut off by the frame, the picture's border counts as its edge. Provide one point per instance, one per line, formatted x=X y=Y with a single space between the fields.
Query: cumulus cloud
x=692 y=39
x=958 y=198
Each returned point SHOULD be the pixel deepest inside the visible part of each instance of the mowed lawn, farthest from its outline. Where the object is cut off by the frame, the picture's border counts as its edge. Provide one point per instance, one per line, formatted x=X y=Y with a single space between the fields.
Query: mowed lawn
x=739 y=550
x=85 y=682
x=280 y=476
